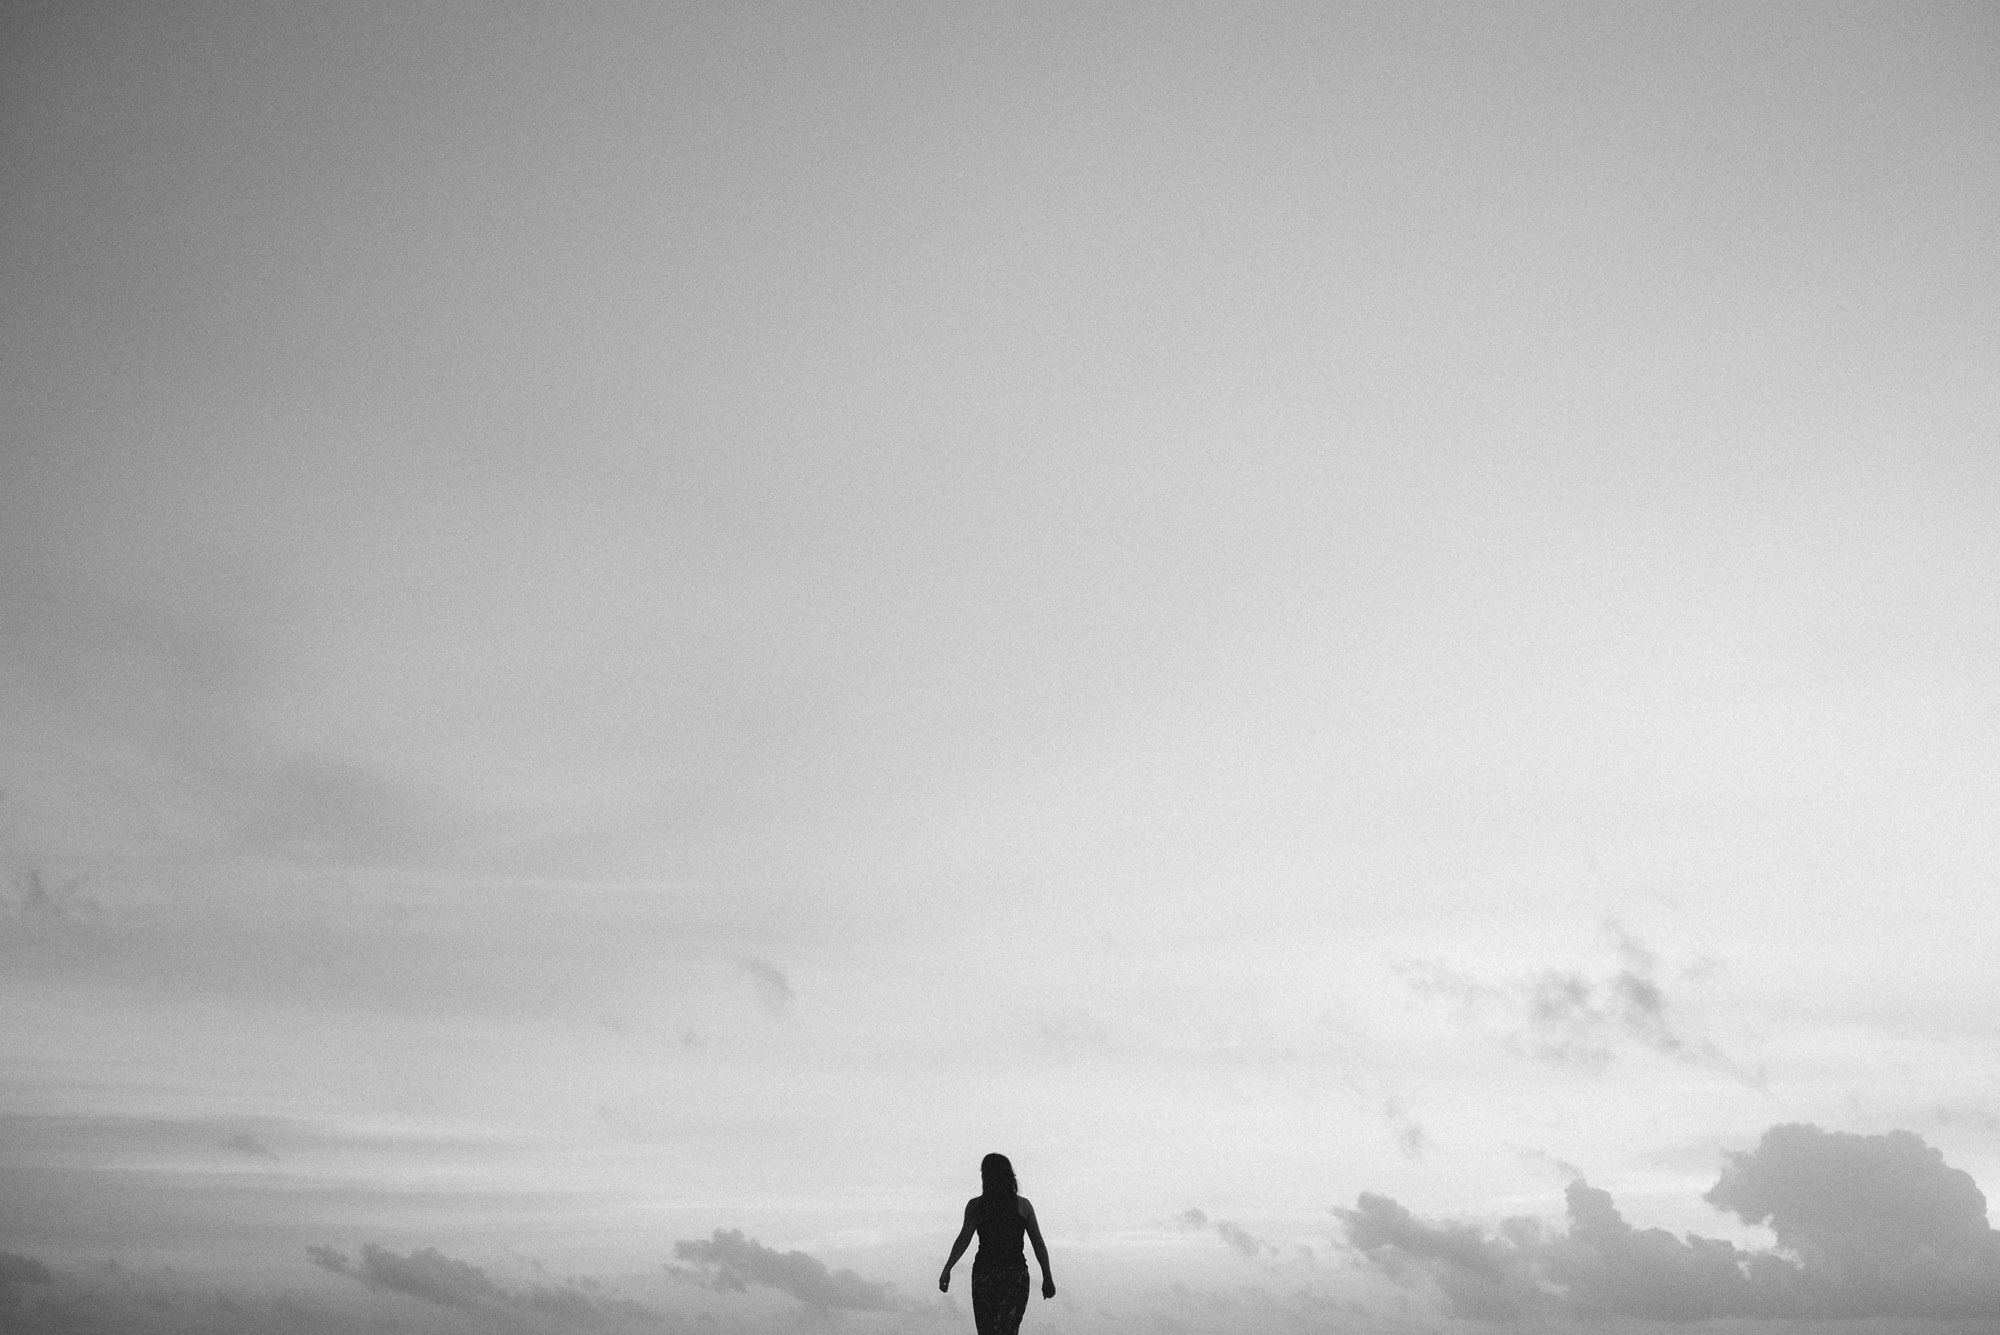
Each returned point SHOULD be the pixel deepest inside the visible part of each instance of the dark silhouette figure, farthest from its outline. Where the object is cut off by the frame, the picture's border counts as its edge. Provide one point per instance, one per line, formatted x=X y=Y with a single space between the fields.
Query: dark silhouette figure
x=1001 y=1216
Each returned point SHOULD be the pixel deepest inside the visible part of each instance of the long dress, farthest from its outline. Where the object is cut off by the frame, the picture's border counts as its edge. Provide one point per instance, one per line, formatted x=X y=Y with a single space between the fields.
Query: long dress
x=999 y=1270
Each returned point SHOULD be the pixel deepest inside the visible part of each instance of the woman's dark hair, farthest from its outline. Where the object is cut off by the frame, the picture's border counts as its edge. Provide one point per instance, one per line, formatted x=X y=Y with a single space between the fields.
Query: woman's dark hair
x=996 y=1177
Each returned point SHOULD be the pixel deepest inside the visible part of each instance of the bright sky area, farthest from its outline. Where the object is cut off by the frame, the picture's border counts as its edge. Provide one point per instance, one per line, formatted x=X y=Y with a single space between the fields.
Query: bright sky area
x=626 y=621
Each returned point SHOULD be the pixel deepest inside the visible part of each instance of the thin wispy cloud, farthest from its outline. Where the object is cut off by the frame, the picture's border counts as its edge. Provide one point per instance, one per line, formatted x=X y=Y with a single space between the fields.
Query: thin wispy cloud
x=774 y=990
x=1968 y=1115
x=1237 y=1238
x=246 y=1144
x=1412 y=1141
x=1866 y=1226
x=41 y=897
x=1577 y=1019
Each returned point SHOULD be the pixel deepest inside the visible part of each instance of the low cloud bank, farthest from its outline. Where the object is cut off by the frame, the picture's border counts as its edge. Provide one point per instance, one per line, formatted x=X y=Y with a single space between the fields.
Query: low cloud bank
x=427 y=1274
x=433 y=1277
x=731 y=1262
x=1866 y=1226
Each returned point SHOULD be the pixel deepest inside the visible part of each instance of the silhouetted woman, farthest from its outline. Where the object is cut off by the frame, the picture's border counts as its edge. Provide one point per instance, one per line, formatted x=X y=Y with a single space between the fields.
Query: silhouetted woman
x=1000 y=1215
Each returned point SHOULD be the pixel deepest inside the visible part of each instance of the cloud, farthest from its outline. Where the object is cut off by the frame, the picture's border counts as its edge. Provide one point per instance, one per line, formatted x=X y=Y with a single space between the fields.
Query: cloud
x=16 y=1270
x=428 y=1274
x=39 y=899
x=1866 y=1226
x=1967 y=1115
x=1883 y=1216
x=1240 y=1239
x=1243 y=1240
x=1542 y=1161
x=1565 y=1017
x=153 y=742
x=1411 y=1139
x=433 y=1277
x=773 y=991
x=319 y=809
x=730 y=1262
x=1480 y=1279
x=113 y=1299
x=569 y=1304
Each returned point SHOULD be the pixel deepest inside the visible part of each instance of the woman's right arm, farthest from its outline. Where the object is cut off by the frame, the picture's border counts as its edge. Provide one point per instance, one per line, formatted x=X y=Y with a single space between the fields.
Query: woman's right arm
x=957 y=1249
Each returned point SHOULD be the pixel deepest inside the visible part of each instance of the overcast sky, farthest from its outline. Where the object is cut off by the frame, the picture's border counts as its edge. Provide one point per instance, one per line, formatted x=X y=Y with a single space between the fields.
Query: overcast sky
x=626 y=625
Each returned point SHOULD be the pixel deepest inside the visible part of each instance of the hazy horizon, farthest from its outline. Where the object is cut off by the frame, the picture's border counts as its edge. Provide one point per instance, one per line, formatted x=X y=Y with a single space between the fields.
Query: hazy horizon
x=630 y=633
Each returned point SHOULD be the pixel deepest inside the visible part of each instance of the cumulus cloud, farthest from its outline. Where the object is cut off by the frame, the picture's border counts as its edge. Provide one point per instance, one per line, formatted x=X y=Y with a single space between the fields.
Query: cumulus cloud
x=731 y=1262
x=1866 y=1226
x=774 y=992
x=1570 y=1018
x=1882 y=1216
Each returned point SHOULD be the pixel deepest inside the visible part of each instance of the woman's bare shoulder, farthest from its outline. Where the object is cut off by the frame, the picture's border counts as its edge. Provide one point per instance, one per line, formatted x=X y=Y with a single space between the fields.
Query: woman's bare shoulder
x=1027 y=1210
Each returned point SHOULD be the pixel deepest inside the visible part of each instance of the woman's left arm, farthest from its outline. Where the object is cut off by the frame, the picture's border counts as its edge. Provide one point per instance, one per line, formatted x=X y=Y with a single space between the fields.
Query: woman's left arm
x=1041 y=1249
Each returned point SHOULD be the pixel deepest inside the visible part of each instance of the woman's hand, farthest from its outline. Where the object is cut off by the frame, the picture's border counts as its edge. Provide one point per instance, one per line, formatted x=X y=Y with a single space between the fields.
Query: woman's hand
x=944 y=1281
x=1048 y=1287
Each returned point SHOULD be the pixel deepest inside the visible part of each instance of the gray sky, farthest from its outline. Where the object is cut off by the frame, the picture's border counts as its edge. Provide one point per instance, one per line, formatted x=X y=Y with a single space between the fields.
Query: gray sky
x=625 y=621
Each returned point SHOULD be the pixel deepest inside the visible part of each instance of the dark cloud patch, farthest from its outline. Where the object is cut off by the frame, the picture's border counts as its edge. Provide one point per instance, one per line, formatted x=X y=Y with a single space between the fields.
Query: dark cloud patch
x=774 y=991
x=432 y=1277
x=730 y=1262
x=1866 y=1227
x=328 y=1258
x=248 y=1145
x=1574 y=1019
x=1243 y=1241
x=16 y=1270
